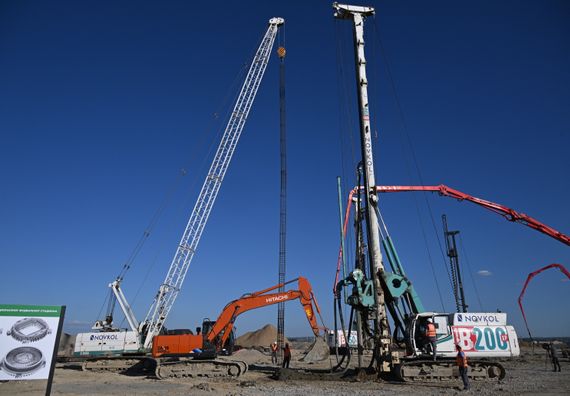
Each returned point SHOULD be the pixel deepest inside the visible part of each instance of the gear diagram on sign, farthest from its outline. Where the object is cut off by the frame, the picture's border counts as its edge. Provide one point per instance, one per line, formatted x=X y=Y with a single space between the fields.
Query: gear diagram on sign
x=23 y=361
x=29 y=330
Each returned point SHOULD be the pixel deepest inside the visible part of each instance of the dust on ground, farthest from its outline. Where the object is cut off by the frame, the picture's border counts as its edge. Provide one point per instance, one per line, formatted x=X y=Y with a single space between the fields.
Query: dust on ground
x=529 y=374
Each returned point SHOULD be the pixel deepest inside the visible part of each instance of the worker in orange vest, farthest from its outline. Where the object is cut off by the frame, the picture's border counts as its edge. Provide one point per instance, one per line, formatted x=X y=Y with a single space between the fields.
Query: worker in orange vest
x=286 y=356
x=461 y=361
x=274 y=353
x=431 y=337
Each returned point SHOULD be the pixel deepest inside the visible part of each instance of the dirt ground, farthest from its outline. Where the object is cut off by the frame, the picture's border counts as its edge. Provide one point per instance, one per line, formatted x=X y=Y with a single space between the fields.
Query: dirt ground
x=529 y=374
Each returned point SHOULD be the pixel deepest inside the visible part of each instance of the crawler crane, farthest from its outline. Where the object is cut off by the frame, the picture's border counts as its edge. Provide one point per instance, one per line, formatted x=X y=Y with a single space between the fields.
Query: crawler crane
x=113 y=349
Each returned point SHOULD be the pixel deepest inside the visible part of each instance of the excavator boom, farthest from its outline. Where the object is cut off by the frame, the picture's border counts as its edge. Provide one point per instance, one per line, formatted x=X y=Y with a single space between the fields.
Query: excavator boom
x=222 y=328
x=224 y=323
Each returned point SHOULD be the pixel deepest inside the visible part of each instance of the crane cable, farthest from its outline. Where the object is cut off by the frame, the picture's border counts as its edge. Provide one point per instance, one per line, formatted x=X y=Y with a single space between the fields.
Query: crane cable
x=110 y=300
x=282 y=264
x=470 y=271
x=406 y=134
x=197 y=149
x=346 y=122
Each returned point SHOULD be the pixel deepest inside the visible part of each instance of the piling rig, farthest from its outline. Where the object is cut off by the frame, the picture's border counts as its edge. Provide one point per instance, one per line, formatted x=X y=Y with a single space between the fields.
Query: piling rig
x=376 y=291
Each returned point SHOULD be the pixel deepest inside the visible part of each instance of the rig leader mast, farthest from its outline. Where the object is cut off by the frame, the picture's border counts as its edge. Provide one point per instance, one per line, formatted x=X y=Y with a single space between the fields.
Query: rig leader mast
x=381 y=331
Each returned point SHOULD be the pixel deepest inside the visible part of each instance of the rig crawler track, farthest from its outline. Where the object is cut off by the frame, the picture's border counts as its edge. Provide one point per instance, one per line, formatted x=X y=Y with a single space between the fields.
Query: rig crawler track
x=426 y=370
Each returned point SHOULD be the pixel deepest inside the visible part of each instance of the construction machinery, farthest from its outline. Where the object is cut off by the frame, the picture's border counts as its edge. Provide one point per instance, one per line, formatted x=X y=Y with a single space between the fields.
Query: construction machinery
x=116 y=349
x=375 y=291
x=455 y=269
x=482 y=335
x=502 y=210
x=528 y=279
x=217 y=337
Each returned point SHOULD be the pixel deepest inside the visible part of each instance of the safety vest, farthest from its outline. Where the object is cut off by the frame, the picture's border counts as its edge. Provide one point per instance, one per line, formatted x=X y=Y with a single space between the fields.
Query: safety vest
x=430 y=332
x=273 y=347
x=461 y=359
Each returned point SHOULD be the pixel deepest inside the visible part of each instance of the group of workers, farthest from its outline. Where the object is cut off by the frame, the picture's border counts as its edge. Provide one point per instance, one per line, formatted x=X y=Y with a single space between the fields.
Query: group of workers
x=286 y=354
x=428 y=336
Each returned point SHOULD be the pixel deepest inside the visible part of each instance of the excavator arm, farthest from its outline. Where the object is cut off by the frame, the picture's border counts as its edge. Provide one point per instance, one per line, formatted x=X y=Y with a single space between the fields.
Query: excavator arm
x=225 y=322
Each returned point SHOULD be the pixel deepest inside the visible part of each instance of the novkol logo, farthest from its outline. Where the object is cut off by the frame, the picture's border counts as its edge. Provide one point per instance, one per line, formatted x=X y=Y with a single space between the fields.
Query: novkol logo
x=478 y=318
x=103 y=337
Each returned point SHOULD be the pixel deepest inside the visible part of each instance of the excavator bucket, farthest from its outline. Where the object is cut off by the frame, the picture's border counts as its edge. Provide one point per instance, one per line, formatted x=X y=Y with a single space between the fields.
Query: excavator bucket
x=317 y=351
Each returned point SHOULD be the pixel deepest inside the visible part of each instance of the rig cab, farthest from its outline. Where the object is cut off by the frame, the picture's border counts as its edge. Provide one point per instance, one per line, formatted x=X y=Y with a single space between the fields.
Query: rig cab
x=481 y=335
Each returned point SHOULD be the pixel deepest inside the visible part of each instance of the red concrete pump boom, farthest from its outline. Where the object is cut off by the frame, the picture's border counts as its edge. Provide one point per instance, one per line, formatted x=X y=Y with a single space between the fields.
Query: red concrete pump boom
x=532 y=275
x=507 y=213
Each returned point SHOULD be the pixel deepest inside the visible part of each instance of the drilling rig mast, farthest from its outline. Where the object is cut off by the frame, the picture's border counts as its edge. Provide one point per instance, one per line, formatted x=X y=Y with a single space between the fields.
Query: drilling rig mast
x=381 y=331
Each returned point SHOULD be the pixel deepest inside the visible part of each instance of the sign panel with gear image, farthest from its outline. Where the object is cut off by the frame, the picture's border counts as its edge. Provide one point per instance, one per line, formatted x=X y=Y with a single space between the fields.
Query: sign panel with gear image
x=28 y=335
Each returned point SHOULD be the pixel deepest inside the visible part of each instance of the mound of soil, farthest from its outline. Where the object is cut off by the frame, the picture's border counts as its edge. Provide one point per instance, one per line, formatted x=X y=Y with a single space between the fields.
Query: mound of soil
x=317 y=351
x=261 y=338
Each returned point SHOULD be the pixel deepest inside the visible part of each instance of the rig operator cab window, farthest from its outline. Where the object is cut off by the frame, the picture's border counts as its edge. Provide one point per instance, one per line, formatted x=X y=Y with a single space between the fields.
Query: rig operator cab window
x=442 y=329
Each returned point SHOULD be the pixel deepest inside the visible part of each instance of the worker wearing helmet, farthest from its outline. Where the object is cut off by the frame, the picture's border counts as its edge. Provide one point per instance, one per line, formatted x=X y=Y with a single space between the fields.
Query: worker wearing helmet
x=274 y=352
x=461 y=361
x=431 y=337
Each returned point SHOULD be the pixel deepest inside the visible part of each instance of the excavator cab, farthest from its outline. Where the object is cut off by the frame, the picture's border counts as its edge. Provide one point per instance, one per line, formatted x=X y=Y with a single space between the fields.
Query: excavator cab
x=227 y=348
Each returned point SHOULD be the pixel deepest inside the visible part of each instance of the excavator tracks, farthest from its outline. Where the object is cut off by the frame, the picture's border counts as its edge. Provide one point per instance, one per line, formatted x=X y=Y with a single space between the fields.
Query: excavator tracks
x=192 y=368
x=165 y=368
x=427 y=370
x=119 y=364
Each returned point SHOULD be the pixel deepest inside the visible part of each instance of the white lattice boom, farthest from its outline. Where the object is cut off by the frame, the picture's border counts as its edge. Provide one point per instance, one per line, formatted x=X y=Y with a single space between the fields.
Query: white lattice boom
x=168 y=291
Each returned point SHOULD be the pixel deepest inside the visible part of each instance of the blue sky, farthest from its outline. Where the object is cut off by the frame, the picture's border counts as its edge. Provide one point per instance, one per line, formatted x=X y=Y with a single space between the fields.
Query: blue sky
x=102 y=103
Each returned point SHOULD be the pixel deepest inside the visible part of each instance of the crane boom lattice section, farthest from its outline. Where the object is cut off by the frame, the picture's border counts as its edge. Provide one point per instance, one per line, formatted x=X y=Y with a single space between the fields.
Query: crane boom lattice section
x=168 y=291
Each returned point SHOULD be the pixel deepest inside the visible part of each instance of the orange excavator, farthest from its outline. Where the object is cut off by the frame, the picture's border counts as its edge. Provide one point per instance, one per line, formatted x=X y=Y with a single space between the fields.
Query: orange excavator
x=217 y=337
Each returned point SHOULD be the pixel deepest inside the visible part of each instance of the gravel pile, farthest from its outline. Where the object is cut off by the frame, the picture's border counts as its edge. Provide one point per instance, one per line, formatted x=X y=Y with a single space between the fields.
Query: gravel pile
x=261 y=338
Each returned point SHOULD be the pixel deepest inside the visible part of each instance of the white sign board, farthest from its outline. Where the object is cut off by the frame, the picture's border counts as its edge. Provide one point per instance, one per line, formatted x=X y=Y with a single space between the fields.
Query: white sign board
x=28 y=335
x=341 y=341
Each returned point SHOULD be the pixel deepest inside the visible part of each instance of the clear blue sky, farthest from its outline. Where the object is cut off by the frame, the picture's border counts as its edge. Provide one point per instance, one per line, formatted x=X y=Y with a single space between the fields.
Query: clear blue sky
x=101 y=104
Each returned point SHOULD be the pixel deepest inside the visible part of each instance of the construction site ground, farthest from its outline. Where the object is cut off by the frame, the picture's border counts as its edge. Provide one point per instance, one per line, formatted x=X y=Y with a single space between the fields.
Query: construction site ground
x=529 y=374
